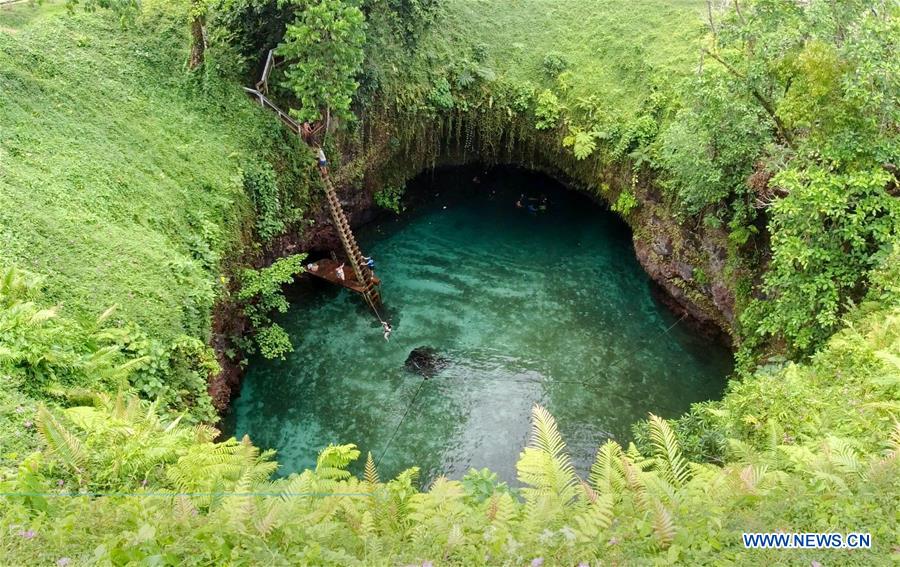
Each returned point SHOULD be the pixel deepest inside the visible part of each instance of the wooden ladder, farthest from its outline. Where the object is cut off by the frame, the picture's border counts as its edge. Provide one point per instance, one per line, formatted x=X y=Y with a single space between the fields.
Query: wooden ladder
x=357 y=261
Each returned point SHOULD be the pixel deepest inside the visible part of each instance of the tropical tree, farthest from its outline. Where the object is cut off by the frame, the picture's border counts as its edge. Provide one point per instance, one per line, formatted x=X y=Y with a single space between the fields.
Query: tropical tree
x=324 y=46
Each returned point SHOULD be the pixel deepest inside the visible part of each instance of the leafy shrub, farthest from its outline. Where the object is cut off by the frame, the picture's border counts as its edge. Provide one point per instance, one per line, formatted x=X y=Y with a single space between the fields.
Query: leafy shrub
x=175 y=375
x=554 y=64
x=324 y=45
x=547 y=110
x=710 y=149
x=261 y=186
x=390 y=197
x=440 y=96
x=522 y=97
x=625 y=202
x=827 y=234
x=262 y=295
x=273 y=341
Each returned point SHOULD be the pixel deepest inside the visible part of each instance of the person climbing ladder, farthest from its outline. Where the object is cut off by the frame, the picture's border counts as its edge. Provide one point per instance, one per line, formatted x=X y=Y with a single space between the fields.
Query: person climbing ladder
x=323 y=162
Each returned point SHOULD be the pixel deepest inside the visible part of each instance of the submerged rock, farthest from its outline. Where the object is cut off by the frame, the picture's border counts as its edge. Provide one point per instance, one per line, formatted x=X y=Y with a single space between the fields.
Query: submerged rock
x=425 y=361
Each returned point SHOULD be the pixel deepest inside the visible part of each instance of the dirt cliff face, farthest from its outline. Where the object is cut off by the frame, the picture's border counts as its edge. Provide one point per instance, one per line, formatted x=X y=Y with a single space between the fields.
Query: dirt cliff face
x=688 y=267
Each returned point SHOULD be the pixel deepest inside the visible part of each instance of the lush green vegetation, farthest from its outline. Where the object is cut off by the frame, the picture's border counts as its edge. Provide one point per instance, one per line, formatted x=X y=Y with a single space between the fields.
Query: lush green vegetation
x=134 y=190
x=120 y=172
x=832 y=467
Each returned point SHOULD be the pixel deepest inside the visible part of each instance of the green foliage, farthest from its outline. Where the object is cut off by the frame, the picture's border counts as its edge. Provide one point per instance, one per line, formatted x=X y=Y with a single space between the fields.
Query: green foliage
x=582 y=142
x=795 y=114
x=828 y=232
x=711 y=147
x=324 y=45
x=546 y=110
x=175 y=375
x=44 y=352
x=440 y=96
x=125 y=9
x=55 y=358
x=248 y=27
x=554 y=64
x=407 y=19
x=273 y=341
x=390 y=197
x=261 y=186
x=215 y=502
x=140 y=219
x=625 y=202
x=262 y=295
x=800 y=95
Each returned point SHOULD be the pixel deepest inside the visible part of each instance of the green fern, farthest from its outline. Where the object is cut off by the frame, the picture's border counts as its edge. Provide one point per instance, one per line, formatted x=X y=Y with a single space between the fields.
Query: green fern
x=333 y=461
x=371 y=472
x=667 y=449
x=544 y=465
x=595 y=518
x=751 y=477
x=63 y=444
x=606 y=473
x=663 y=525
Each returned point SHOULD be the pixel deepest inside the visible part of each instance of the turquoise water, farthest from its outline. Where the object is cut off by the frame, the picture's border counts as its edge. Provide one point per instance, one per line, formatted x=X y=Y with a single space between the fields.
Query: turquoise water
x=548 y=308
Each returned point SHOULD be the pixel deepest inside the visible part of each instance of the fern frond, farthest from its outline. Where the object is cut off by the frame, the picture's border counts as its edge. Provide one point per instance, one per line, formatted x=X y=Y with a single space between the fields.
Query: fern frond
x=844 y=457
x=62 y=443
x=663 y=525
x=545 y=434
x=333 y=461
x=204 y=433
x=544 y=464
x=741 y=451
x=371 y=472
x=751 y=476
x=42 y=316
x=634 y=482
x=106 y=314
x=184 y=509
x=667 y=449
x=595 y=519
x=501 y=510
x=270 y=518
x=606 y=473
x=660 y=487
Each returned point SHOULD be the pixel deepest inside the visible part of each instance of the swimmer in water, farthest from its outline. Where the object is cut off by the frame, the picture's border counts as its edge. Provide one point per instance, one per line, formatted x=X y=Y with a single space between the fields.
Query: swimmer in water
x=387 y=329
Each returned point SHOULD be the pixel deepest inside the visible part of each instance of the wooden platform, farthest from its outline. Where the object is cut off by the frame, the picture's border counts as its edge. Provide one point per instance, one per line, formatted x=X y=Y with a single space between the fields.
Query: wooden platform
x=326 y=269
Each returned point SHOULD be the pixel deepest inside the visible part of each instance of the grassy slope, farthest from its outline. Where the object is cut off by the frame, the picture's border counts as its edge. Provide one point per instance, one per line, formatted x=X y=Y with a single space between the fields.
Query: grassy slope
x=118 y=171
x=615 y=52
x=608 y=45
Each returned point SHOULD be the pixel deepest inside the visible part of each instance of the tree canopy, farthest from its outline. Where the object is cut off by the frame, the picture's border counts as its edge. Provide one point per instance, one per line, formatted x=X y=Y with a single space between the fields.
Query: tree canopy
x=324 y=47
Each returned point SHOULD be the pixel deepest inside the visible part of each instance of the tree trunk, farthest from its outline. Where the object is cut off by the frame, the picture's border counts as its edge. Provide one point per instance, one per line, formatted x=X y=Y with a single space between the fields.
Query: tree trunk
x=198 y=42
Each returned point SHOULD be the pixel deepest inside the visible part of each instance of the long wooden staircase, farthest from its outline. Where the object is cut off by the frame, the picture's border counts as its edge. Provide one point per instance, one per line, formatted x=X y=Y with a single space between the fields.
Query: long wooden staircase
x=364 y=281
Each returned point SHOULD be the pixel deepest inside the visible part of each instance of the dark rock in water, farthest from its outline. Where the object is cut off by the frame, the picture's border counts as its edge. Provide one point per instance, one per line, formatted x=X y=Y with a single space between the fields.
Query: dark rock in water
x=425 y=361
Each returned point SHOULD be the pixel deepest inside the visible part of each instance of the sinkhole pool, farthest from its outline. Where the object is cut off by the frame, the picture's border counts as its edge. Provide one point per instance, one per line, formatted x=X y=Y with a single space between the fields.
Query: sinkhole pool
x=526 y=308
